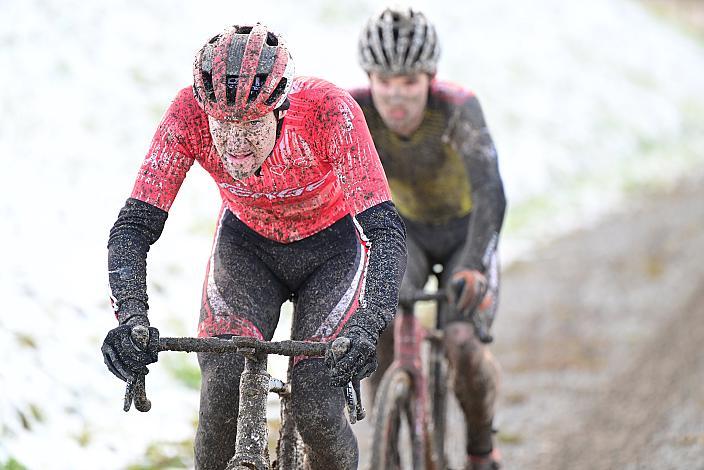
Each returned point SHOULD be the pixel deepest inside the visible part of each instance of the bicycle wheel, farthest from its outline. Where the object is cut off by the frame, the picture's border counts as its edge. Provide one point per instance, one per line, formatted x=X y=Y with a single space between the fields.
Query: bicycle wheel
x=290 y=450
x=391 y=446
x=437 y=391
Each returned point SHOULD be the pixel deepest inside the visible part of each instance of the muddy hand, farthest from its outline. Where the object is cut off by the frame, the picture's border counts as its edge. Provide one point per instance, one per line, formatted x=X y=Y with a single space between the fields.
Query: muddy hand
x=358 y=362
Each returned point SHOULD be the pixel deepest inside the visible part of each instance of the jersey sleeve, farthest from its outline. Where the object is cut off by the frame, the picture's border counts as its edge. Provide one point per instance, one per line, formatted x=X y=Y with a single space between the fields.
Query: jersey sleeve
x=170 y=155
x=471 y=137
x=349 y=147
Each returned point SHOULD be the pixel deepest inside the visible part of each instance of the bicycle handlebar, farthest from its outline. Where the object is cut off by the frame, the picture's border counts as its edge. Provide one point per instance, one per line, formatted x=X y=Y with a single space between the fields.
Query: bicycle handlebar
x=136 y=392
x=443 y=295
x=221 y=345
x=421 y=295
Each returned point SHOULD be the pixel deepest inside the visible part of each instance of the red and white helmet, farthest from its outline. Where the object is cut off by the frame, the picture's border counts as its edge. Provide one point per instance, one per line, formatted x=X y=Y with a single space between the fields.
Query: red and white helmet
x=242 y=73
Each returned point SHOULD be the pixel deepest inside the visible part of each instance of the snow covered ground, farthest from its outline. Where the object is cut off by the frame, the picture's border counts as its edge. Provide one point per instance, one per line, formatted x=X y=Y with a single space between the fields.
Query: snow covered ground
x=586 y=100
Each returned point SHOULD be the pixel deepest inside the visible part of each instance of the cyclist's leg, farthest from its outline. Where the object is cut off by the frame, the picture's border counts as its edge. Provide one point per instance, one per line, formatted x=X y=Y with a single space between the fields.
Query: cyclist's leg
x=240 y=296
x=318 y=409
x=474 y=371
x=417 y=271
x=324 y=302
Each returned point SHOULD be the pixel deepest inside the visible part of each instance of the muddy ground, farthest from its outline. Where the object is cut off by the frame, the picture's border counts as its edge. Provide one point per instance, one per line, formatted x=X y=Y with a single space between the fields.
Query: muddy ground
x=601 y=339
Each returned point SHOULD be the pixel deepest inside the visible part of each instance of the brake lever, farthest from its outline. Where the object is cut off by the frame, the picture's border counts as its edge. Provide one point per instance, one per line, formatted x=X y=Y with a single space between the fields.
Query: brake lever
x=135 y=390
x=361 y=412
x=353 y=397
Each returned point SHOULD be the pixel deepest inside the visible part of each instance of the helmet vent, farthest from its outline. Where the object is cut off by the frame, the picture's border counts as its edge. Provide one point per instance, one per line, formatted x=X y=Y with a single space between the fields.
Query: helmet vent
x=419 y=51
x=276 y=94
x=257 y=85
x=374 y=56
x=271 y=39
x=208 y=85
x=385 y=59
x=231 y=88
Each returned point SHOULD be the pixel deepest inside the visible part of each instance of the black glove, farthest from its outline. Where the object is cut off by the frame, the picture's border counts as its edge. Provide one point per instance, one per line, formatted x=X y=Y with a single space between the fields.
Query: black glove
x=358 y=362
x=124 y=356
x=468 y=290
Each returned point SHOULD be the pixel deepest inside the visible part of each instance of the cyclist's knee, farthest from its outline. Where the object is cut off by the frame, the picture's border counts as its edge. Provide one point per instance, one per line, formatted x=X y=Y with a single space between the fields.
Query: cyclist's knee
x=317 y=420
x=462 y=344
x=317 y=406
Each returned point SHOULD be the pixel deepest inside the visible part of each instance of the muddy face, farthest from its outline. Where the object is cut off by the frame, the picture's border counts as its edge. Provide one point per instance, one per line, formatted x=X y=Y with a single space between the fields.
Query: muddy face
x=243 y=146
x=400 y=100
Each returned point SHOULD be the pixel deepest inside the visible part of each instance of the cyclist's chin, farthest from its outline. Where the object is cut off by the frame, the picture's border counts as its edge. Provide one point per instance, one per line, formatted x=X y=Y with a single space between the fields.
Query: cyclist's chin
x=242 y=169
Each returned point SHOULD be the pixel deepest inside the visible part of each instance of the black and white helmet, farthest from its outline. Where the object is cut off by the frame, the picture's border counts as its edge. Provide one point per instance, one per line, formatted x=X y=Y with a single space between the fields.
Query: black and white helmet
x=399 y=41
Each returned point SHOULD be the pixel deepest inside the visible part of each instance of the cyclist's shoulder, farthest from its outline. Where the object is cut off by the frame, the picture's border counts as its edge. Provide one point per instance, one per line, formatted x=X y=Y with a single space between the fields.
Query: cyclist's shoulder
x=451 y=95
x=361 y=94
x=304 y=85
x=184 y=109
x=313 y=89
x=316 y=97
x=458 y=102
x=328 y=106
x=185 y=100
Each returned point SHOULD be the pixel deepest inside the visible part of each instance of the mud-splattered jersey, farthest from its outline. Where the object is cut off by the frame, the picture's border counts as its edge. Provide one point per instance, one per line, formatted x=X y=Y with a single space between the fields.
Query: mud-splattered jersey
x=446 y=169
x=323 y=166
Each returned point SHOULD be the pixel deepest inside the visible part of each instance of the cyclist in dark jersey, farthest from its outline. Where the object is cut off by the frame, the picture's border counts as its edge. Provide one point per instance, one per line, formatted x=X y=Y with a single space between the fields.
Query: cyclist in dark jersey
x=443 y=173
x=306 y=216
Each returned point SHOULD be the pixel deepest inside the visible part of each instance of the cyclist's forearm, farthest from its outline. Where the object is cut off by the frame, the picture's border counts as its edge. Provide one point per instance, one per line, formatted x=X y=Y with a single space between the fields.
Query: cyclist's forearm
x=386 y=233
x=138 y=226
x=489 y=206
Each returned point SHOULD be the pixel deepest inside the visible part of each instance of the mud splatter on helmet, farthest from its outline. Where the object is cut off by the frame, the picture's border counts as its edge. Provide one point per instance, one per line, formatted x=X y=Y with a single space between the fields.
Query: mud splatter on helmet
x=242 y=73
x=399 y=41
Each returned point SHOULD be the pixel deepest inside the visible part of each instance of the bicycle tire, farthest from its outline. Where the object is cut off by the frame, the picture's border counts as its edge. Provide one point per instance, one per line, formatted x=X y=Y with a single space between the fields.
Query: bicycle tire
x=394 y=401
x=290 y=449
x=437 y=392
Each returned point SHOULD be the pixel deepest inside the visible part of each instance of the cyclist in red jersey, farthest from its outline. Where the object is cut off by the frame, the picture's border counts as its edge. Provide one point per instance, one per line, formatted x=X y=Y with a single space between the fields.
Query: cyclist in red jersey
x=306 y=216
x=443 y=173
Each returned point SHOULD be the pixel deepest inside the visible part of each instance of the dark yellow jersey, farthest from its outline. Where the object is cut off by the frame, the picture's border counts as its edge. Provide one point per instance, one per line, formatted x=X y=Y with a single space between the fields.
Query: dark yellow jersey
x=446 y=169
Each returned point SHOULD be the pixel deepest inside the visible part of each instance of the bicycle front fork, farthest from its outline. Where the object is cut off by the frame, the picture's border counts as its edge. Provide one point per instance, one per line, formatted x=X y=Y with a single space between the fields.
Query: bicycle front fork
x=251 y=449
x=429 y=390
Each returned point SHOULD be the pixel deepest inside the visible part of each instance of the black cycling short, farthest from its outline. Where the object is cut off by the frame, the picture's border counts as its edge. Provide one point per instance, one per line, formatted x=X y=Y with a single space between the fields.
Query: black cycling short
x=429 y=245
x=249 y=277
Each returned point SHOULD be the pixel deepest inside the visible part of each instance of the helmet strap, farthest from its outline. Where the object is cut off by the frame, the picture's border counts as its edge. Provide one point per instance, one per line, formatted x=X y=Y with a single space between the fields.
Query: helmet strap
x=280 y=120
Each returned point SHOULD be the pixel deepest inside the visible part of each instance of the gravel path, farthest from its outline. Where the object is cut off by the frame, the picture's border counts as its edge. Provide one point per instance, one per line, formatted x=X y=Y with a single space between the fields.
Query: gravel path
x=599 y=335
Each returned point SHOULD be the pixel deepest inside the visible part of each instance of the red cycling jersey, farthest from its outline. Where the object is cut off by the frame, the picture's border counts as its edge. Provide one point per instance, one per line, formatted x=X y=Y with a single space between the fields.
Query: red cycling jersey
x=323 y=166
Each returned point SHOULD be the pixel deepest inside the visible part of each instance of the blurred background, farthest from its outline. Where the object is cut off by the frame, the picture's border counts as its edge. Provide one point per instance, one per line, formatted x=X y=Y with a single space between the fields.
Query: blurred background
x=597 y=111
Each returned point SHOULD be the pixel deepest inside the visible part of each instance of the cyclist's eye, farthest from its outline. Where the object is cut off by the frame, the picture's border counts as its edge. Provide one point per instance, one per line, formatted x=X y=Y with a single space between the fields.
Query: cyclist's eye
x=251 y=125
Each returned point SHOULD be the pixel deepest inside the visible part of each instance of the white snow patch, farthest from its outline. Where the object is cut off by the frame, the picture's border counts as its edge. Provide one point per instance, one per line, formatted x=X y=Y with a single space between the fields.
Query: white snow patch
x=579 y=96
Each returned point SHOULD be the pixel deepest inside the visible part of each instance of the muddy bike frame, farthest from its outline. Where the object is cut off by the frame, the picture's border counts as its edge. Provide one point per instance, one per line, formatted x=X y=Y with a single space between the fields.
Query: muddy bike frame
x=426 y=402
x=251 y=447
x=421 y=395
